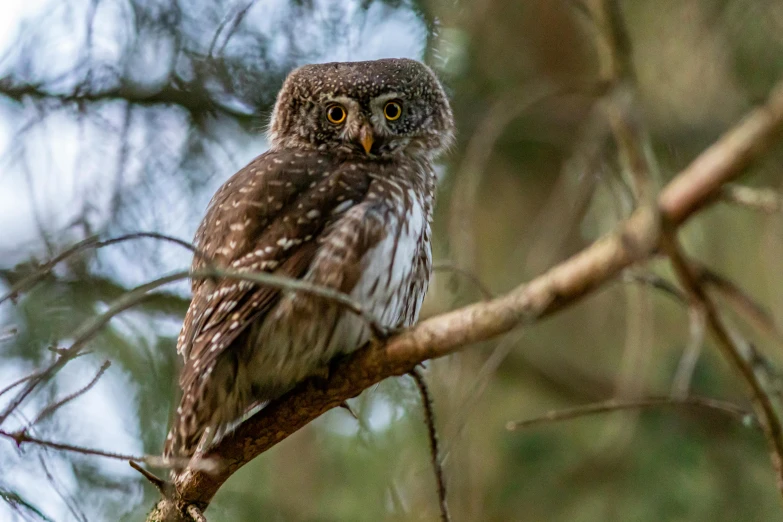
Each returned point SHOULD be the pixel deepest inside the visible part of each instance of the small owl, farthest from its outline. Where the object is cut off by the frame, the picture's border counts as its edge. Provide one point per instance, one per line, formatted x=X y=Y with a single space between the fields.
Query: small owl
x=342 y=199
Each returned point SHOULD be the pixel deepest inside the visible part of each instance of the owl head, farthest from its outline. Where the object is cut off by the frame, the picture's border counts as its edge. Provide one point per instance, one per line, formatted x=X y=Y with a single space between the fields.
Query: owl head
x=378 y=108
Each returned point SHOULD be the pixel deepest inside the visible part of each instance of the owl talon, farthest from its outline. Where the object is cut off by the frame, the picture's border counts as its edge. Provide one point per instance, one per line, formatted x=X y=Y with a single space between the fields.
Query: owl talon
x=321 y=376
x=379 y=333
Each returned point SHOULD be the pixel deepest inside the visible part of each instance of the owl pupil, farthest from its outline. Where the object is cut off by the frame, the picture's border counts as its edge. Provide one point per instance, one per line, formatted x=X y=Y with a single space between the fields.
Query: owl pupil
x=392 y=110
x=335 y=114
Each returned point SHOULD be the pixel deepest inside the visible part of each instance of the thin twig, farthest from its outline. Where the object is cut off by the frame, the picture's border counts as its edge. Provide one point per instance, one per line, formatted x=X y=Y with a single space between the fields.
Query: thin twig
x=764 y=199
x=17 y=502
x=46 y=412
x=86 y=331
x=449 y=266
x=739 y=299
x=762 y=402
x=92 y=326
x=657 y=282
x=72 y=506
x=30 y=376
x=156 y=481
x=429 y=420
x=288 y=283
x=8 y=334
x=612 y=405
x=91 y=242
x=697 y=325
x=21 y=437
x=19 y=381
x=235 y=20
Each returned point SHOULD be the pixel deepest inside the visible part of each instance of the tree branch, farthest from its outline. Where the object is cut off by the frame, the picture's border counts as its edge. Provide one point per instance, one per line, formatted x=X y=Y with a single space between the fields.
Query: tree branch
x=762 y=199
x=563 y=285
x=702 y=180
x=21 y=437
x=736 y=352
x=192 y=97
x=613 y=405
x=90 y=328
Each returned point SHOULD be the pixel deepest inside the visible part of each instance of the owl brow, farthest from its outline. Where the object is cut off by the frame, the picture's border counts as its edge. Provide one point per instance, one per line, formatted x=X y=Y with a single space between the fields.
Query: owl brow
x=382 y=98
x=345 y=101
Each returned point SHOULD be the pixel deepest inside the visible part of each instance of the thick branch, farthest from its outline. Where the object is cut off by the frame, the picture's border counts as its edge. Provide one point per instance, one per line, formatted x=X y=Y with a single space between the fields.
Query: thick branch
x=638 y=238
x=702 y=180
x=563 y=285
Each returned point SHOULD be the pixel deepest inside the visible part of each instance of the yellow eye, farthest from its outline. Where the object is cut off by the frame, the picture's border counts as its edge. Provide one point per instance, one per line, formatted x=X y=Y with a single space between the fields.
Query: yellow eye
x=392 y=110
x=335 y=113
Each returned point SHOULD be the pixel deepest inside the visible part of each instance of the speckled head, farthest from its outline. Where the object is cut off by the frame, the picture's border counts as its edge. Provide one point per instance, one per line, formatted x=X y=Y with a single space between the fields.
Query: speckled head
x=378 y=108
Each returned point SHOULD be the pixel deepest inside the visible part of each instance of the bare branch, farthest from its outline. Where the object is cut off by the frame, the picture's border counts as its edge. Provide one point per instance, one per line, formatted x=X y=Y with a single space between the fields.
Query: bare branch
x=7 y=335
x=20 y=381
x=21 y=437
x=84 y=334
x=697 y=185
x=659 y=283
x=90 y=328
x=18 y=504
x=637 y=238
x=448 y=266
x=613 y=405
x=32 y=375
x=763 y=199
x=156 y=481
x=191 y=97
x=739 y=299
x=67 y=499
x=690 y=356
x=735 y=354
x=46 y=412
x=429 y=420
x=89 y=243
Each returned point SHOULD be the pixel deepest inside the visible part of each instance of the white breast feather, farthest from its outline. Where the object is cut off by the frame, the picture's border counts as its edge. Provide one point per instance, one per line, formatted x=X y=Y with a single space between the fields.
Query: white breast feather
x=386 y=302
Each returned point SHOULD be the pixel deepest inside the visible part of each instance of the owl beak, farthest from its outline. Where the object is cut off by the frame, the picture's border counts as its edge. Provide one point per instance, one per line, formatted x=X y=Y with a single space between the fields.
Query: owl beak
x=366 y=138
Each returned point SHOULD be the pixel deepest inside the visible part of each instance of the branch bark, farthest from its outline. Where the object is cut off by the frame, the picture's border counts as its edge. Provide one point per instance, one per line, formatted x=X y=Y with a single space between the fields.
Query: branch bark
x=637 y=239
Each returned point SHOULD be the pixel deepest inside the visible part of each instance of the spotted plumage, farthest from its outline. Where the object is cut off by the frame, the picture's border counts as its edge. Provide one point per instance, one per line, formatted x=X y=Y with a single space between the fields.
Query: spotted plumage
x=343 y=200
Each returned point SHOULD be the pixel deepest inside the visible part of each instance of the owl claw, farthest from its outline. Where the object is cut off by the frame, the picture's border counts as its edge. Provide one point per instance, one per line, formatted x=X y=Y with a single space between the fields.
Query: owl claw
x=379 y=333
x=321 y=376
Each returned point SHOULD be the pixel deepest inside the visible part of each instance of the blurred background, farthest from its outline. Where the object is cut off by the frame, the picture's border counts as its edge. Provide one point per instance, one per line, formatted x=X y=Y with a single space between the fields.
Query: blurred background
x=124 y=115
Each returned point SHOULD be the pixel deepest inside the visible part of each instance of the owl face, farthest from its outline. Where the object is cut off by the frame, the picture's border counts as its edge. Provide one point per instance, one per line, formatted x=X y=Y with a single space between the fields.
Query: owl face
x=379 y=108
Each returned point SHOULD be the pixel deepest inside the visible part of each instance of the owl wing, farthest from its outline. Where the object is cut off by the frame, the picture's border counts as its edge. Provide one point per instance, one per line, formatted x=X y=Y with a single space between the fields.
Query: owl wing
x=267 y=218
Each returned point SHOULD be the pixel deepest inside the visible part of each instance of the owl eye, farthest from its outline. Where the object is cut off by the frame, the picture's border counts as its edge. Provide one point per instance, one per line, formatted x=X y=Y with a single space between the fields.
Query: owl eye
x=392 y=110
x=335 y=114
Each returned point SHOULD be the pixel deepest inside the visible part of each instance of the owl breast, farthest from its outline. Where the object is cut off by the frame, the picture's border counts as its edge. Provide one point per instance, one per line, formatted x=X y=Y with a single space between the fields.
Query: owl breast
x=379 y=253
x=394 y=280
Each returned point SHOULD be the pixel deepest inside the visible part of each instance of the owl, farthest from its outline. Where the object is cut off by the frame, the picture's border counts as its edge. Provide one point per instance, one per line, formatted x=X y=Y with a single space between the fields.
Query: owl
x=343 y=200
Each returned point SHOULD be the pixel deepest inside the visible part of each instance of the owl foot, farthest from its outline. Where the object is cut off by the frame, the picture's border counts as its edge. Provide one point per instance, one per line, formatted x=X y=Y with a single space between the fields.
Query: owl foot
x=321 y=376
x=379 y=333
